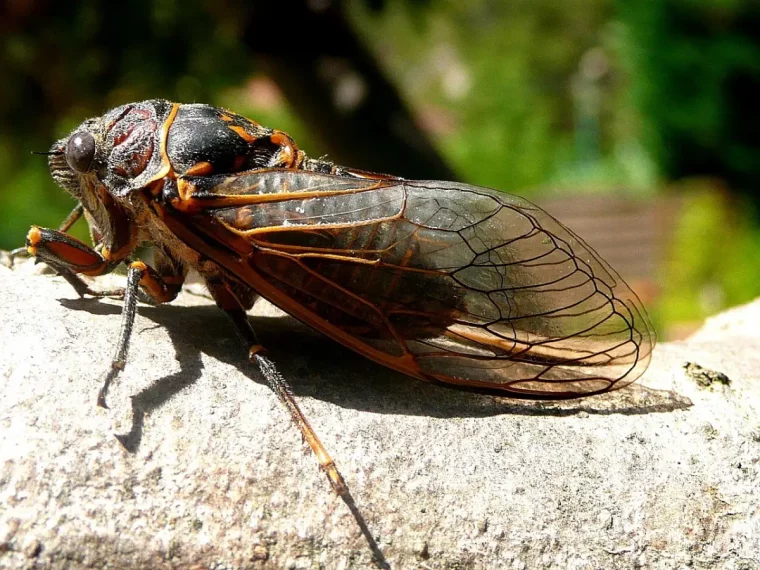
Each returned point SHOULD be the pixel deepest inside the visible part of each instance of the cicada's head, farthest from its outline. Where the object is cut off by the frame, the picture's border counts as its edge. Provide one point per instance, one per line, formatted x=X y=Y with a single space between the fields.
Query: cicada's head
x=117 y=152
x=106 y=158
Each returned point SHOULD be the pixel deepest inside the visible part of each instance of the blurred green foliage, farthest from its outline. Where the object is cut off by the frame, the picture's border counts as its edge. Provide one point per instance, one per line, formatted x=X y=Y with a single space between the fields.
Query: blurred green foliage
x=499 y=84
x=695 y=78
x=714 y=259
x=696 y=70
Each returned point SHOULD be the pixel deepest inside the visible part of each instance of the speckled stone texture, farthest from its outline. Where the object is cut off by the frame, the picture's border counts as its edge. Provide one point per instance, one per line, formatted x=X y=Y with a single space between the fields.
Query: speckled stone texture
x=196 y=465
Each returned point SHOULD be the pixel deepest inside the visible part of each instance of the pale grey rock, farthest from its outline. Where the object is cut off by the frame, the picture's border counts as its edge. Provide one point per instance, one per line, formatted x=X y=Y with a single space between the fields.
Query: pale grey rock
x=195 y=464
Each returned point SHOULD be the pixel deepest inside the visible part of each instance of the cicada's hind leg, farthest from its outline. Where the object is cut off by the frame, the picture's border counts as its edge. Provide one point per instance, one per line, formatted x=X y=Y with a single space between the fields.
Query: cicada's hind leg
x=226 y=299
x=71 y=219
x=160 y=286
x=275 y=380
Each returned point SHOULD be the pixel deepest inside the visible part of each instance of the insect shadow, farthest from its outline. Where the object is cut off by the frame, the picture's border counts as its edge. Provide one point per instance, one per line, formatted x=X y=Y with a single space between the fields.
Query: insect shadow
x=320 y=368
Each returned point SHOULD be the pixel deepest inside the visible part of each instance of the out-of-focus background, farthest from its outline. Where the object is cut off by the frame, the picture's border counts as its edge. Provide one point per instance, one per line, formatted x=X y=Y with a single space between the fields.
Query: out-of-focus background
x=636 y=123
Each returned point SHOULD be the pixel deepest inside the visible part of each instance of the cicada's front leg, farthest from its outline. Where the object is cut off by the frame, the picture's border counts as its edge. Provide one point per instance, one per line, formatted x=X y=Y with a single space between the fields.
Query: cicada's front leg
x=74 y=215
x=71 y=258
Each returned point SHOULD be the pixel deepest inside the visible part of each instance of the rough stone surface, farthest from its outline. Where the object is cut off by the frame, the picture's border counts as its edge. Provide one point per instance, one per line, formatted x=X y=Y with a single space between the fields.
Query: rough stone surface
x=195 y=464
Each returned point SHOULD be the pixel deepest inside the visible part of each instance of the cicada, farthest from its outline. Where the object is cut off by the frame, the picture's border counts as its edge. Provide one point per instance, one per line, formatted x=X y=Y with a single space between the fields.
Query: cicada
x=448 y=283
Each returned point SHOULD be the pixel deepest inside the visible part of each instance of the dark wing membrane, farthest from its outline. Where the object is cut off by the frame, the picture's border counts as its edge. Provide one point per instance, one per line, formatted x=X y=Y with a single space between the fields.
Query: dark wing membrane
x=443 y=281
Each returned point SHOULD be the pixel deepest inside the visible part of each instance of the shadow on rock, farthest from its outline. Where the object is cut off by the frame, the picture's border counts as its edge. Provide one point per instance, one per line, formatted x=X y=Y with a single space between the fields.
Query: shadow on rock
x=320 y=368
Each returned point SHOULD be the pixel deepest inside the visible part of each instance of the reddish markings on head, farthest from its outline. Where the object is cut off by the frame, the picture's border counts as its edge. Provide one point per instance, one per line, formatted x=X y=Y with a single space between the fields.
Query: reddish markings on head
x=133 y=139
x=136 y=162
x=127 y=109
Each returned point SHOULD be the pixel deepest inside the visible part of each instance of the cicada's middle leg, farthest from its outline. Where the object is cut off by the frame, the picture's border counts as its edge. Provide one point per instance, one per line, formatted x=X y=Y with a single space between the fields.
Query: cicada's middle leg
x=161 y=286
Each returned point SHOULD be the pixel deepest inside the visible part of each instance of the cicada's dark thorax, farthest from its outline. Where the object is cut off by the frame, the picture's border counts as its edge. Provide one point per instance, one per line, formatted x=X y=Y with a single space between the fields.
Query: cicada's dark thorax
x=205 y=140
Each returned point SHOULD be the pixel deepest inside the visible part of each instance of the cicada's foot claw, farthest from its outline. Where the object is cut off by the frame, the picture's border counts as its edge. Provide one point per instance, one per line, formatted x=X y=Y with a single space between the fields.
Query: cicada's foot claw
x=8 y=258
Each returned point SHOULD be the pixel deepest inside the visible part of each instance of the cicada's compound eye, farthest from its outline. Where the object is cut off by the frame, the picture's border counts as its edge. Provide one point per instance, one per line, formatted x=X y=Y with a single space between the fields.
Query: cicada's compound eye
x=80 y=151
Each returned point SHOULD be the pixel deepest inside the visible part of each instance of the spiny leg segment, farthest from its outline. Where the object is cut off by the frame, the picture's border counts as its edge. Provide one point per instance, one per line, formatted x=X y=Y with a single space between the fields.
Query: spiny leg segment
x=160 y=289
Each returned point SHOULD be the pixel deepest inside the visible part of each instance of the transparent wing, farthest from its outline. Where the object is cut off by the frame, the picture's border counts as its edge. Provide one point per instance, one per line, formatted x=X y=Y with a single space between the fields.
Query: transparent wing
x=443 y=281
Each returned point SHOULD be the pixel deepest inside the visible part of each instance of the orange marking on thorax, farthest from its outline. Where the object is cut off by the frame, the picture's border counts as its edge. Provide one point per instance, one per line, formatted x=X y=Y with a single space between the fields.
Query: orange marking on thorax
x=185 y=201
x=288 y=148
x=166 y=166
x=245 y=135
x=202 y=168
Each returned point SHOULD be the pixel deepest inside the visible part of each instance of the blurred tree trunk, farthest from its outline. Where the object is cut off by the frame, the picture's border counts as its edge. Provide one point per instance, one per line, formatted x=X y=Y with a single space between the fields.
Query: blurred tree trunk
x=337 y=88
